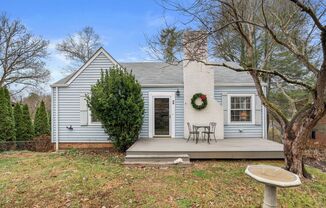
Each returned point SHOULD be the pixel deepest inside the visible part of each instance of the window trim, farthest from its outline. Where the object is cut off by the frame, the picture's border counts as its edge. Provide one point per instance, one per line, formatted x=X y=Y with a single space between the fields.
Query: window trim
x=253 y=107
x=90 y=123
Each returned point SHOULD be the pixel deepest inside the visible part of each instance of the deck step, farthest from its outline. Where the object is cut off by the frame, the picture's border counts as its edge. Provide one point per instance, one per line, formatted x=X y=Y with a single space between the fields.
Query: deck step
x=157 y=159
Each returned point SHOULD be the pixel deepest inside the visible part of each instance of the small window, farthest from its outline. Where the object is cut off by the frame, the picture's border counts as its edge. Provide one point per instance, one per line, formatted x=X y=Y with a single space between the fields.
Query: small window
x=92 y=118
x=241 y=109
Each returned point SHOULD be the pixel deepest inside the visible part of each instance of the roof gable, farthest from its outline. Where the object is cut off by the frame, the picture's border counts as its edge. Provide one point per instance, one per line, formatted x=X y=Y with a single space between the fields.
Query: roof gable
x=70 y=78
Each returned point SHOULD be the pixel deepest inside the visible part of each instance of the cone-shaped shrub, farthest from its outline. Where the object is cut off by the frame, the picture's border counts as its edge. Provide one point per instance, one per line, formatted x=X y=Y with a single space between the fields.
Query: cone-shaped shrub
x=41 y=123
x=49 y=119
x=18 y=116
x=116 y=100
x=7 y=124
x=7 y=96
x=27 y=127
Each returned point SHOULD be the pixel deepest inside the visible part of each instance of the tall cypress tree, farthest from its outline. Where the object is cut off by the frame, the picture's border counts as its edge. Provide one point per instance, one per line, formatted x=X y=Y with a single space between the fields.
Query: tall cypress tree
x=41 y=123
x=49 y=119
x=7 y=96
x=7 y=125
x=27 y=127
x=18 y=122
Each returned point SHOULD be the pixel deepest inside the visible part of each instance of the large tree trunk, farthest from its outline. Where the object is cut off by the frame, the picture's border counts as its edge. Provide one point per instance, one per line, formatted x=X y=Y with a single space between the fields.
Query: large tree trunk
x=293 y=152
x=295 y=138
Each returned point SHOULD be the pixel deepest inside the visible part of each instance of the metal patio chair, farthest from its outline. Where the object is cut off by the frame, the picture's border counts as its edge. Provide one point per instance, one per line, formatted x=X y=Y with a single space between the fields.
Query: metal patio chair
x=210 y=131
x=192 y=131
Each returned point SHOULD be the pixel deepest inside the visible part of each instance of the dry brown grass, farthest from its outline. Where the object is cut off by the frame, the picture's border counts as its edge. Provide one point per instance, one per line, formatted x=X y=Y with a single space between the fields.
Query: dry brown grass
x=76 y=179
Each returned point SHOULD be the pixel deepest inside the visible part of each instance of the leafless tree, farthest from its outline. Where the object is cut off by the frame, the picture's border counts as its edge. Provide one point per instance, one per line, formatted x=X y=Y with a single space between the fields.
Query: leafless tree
x=249 y=22
x=21 y=56
x=81 y=46
x=34 y=99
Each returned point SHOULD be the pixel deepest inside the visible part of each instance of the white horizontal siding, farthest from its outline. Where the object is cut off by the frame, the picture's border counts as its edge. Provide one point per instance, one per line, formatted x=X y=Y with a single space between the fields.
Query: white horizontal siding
x=69 y=106
x=179 y=111
x=69 y=109
x=242 y=130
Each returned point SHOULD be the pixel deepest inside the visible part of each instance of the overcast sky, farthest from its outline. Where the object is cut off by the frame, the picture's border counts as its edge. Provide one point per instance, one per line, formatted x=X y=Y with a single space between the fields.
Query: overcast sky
x=122 y=24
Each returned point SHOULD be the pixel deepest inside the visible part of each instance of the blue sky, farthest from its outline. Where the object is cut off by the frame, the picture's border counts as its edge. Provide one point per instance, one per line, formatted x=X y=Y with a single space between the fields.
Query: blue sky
x=122 y=24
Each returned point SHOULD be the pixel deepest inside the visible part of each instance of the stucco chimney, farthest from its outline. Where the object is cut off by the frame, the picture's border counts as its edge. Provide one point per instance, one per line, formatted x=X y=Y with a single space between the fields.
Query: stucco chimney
x=198 y=78
x=195 y=45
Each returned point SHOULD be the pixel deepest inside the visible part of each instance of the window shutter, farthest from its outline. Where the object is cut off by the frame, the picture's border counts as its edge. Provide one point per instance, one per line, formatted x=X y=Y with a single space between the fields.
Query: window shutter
x=225 y=107
x=83 y=111
x=258 y=110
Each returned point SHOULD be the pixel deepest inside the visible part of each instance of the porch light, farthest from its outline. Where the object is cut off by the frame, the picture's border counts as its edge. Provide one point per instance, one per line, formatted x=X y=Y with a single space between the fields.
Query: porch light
x=177 y=93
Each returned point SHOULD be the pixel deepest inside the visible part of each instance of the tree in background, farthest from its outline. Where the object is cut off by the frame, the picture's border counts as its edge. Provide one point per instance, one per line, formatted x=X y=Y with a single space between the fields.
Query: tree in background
x=41 y=123
x=34 y=99
x=7 y=124
x=21 y=55
x=81 y=46
x=116 y=100
x=49 y=119
x=8 y=99
x=289 y=28
x=19 y=122
x=27 y=125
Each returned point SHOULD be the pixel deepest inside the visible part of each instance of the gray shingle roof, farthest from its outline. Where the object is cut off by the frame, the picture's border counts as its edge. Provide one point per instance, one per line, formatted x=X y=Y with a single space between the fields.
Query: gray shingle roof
x=156 y=72
x=148 y=73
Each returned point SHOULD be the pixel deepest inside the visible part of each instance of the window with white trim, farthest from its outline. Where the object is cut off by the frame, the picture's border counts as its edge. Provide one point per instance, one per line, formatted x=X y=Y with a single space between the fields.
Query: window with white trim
x=241 y=109
x=92 y=118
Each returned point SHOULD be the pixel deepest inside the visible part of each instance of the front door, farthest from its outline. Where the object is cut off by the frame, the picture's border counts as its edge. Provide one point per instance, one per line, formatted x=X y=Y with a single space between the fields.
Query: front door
x=161 y=116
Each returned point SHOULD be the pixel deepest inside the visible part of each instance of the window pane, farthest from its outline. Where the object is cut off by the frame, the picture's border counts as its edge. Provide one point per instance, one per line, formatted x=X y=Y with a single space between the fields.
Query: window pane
x=235 y=115
x=248 y=102
x=242 y=103
x=241 y=115
x=241 y=109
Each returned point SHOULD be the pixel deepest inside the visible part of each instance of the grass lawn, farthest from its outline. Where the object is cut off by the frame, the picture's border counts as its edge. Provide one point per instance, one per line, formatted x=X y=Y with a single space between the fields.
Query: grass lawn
x=77 y=179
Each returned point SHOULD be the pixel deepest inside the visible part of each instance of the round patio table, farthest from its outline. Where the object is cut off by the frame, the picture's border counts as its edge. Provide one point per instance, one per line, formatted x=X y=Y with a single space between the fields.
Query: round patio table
x=272 y=177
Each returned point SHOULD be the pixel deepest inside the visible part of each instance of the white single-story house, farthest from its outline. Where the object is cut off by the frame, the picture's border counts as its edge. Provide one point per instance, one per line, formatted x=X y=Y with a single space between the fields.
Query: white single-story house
x=167 y=90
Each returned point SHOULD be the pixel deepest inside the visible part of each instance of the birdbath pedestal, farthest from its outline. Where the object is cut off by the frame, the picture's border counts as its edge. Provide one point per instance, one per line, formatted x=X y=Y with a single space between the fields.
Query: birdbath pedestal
x=272 y=177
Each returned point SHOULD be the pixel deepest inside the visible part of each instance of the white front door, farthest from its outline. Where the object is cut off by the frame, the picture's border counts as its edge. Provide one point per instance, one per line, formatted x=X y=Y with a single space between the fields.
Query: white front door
x=161 y=114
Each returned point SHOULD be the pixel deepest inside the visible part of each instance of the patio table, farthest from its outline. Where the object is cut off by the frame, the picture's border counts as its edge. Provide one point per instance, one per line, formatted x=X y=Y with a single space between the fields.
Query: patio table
x=197 y=127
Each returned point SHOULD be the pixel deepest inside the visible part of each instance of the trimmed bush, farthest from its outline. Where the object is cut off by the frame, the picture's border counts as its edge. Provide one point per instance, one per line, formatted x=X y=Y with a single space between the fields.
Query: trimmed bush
x=41 y=123
x=116 y=100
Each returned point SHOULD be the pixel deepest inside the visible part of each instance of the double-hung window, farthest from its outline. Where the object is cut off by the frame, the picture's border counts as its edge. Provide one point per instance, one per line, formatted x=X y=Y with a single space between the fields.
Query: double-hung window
x=241 y=108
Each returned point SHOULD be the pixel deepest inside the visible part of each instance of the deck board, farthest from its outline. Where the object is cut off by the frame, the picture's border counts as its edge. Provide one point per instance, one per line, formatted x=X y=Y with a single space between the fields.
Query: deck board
x=242 y=148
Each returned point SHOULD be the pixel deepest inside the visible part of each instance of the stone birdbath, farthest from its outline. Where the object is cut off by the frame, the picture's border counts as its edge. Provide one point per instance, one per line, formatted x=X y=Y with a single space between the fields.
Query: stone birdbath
x=272 y=177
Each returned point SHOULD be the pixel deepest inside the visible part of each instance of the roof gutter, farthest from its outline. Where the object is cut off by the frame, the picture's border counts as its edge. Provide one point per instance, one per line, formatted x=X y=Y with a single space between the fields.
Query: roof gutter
x=58 y=85
x=181 y=85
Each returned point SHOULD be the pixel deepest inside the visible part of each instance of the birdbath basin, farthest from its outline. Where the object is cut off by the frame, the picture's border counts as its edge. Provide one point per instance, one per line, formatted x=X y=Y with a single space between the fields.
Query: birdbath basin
x=272 y=177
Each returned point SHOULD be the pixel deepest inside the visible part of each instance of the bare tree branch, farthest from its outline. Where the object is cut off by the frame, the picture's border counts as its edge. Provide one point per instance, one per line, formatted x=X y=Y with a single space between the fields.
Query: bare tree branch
x=21 y=55
x=80 y=46
x=311 y=13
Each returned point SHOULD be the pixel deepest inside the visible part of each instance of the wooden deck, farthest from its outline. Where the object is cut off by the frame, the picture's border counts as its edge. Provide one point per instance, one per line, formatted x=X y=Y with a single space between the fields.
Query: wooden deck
x=222 y=149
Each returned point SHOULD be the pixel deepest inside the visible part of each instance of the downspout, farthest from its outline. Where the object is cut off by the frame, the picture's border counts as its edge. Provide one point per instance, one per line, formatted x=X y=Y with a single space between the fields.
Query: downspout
x=57 y=119
x=263 y=121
